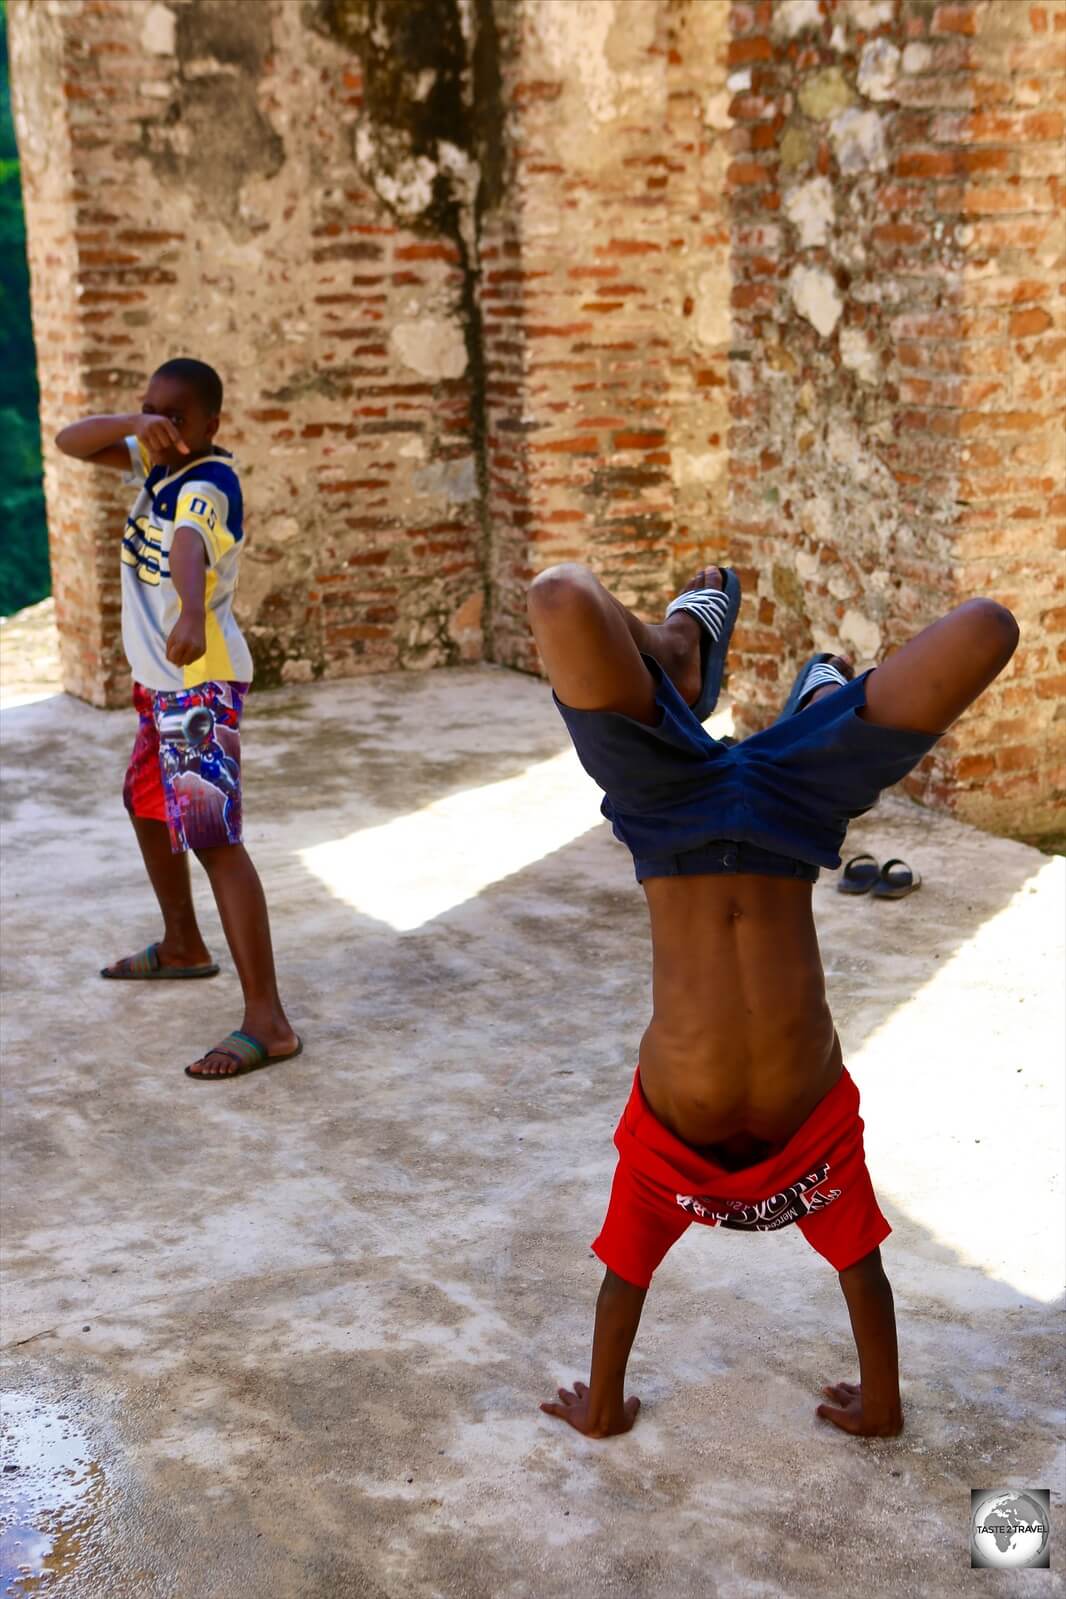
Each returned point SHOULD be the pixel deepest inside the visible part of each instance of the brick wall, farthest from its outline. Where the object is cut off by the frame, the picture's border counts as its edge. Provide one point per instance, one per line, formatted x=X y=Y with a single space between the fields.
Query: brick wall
x=994 y=380
x=642 y=284
x=605 y=294
x=898 y=234
x=191 y=188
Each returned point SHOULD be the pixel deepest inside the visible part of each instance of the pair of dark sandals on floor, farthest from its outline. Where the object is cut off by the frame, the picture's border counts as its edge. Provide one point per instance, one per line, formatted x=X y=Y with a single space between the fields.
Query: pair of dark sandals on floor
x=894 y=880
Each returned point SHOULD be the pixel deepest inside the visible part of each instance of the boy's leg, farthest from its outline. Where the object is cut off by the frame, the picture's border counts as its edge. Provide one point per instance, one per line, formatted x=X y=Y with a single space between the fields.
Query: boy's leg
x=600 y=1410
x=591 y=645
x=242 y=907
x=930 y=681
x=182 y=943
x=871 y=1407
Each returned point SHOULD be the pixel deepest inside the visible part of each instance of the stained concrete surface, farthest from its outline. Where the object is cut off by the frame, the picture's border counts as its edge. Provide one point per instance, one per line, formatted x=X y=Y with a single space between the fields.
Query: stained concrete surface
x=287 y=1336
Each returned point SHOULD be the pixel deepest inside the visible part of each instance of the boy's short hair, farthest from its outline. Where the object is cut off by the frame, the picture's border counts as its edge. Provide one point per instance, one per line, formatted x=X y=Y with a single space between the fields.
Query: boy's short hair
x=200 y=377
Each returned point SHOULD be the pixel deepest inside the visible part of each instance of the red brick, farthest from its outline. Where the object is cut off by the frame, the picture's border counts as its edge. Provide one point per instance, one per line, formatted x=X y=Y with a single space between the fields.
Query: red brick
x=638 y=441
x=1018 y=758
x=995 y=127
x=1034 y=319
x=630 y=247
x=908 y=233
x=927 y=163
x=953 y=19
x=749 y=174
x=581 y=444
x=742 y=51
x=973 y=767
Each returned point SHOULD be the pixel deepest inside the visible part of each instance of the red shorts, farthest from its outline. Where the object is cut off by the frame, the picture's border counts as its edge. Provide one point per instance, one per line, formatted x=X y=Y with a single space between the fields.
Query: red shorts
x=819 y=1181
x=194 y=787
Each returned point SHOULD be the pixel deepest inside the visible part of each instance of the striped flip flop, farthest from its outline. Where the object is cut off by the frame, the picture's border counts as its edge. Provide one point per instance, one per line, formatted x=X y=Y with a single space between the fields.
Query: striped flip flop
x=147 y=968
x=716 y=612
x=248 y=1052
x=814 y=674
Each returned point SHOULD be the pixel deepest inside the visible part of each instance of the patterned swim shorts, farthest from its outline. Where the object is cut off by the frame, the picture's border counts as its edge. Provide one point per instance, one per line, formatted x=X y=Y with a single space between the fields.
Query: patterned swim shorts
x=185 y=769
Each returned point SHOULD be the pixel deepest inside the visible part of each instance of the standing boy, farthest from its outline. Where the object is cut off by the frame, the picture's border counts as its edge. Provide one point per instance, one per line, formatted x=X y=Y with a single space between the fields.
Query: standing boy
x=191 y=669
x=742 y=1113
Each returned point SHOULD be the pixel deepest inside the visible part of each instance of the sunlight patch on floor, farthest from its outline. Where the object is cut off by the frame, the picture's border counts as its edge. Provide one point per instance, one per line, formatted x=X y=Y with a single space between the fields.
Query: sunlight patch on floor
x=416 y=867
x=957 y=1079
x=13 y=700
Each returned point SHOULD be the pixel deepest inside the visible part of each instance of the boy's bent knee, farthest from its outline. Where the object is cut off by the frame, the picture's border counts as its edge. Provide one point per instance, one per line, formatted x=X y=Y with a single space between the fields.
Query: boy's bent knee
x=561 y=588
x=994 y=625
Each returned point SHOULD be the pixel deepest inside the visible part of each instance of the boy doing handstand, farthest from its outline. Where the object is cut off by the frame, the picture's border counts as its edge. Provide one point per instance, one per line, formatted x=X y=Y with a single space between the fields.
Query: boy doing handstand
x=191 y=668
x=742 y=1113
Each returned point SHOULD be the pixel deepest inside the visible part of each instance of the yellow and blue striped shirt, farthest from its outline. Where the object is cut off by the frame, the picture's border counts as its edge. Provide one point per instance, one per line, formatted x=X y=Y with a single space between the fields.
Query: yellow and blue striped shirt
x=206 y=496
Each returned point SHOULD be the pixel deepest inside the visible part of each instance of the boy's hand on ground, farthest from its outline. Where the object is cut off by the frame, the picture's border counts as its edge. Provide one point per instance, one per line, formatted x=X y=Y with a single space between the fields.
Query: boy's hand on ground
x=846 y=1412
x=573 y=1407
x=187 y=641
x=159 y=436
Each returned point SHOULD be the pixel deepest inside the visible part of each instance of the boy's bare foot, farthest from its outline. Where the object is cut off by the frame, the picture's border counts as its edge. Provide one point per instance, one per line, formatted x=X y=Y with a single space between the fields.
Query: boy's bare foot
x=677 y=640
x=573 y=1408
x=847 y=1413
x=278 y=1040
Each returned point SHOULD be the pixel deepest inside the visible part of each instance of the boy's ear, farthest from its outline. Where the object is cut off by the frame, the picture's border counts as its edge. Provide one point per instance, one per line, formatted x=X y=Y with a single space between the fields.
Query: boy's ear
x=212 y=426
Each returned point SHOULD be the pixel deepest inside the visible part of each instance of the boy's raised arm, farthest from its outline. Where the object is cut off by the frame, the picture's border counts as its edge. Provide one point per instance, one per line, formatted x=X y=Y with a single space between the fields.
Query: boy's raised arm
x=101 y=439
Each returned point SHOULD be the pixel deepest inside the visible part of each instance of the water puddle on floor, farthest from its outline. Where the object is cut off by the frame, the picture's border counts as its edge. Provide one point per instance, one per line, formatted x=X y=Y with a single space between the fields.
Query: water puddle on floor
x=51 y=1493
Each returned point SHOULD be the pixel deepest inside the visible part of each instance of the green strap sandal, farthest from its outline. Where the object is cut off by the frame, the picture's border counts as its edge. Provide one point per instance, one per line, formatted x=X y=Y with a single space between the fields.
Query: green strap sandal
x=248 y=1052
x=147 y=968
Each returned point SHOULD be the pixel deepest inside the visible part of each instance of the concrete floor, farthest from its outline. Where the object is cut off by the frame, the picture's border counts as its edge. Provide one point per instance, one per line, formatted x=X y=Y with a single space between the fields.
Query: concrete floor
x=286 y=1336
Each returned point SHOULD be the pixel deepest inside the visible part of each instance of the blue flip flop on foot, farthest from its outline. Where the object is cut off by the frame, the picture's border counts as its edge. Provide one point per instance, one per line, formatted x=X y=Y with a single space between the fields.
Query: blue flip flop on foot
x=813 y=674
x=716 y=612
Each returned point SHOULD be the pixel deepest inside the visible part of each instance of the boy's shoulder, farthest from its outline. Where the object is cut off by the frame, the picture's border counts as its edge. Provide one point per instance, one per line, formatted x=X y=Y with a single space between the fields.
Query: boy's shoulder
x=219 y=469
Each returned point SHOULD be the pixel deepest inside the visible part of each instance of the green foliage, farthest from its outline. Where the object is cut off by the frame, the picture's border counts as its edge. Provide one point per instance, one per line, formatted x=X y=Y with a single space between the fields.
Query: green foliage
x=24 y=573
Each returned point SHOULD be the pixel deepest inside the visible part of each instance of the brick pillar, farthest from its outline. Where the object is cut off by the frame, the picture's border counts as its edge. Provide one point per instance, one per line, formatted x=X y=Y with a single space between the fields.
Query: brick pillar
x=897 y=380
x=206 y=180
x=992 y=157
x=83 y=505
x=603 y=293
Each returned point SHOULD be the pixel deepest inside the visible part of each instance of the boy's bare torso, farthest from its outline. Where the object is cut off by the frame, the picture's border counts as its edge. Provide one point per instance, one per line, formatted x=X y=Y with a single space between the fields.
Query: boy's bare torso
x=741 y=1046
